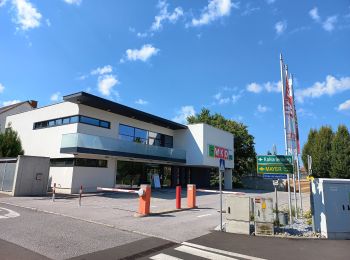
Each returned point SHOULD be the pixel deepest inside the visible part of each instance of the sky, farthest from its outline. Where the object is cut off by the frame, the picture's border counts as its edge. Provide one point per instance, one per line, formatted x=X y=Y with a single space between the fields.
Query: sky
x=172 y=58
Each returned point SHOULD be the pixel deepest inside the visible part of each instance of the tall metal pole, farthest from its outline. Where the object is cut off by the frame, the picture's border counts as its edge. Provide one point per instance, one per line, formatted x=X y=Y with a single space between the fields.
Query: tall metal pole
x=220 y=182
x=285 y=134
x=299 y=186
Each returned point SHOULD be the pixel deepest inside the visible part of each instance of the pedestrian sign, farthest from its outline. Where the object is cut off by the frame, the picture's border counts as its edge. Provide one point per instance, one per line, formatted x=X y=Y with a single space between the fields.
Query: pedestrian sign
x=222 y=165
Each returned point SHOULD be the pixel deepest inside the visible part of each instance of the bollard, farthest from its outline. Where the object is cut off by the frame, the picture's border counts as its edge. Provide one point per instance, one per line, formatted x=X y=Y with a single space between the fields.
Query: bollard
x=145 y=200
x=191 y=196
x=178 y=197
x=80 y=194
x=53 y=192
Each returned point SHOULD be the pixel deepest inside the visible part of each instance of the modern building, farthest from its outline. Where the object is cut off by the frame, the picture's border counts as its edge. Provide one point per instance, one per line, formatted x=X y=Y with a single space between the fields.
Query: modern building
x=96 y=142
x=15 y=109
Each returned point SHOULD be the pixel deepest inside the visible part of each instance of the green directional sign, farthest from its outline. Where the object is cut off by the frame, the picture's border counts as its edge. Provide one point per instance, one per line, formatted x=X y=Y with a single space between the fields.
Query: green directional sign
x=284 y=159
x=274 y=164
x=275 y=168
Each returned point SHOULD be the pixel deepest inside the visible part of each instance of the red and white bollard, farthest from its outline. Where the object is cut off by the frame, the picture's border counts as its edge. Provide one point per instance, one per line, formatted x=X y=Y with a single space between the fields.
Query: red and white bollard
x=54 y=192
x=80 y=194
x=178 y=197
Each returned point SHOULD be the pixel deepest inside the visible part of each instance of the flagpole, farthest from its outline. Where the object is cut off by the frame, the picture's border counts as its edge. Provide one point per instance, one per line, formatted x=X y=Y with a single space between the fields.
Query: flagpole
x=285 y=136
x=297 y=149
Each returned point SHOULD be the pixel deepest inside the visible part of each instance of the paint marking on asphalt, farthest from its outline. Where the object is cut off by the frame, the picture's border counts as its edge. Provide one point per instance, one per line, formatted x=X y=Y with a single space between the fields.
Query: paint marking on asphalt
x=10 y=214
x=205 y=215
x=165 y=257
x=215 y=250
x=202 y=253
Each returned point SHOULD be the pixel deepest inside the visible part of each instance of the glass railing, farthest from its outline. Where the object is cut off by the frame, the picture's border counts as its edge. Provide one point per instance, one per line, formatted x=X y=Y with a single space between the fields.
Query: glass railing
x=80 y=140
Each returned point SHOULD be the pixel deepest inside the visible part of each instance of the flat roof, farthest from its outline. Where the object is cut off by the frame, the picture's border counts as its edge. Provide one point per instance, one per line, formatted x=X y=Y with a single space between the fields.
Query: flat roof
x=116 y=108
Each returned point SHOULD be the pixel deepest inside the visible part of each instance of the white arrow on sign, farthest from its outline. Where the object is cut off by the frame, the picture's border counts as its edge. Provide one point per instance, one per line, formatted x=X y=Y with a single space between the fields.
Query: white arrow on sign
x=260 y=159
x=8 y=213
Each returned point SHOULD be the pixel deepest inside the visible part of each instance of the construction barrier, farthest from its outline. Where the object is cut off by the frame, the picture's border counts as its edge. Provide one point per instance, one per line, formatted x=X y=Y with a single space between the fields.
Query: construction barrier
x=178 y=197
x=191 y=196
x=223 y=192
x=144 y=193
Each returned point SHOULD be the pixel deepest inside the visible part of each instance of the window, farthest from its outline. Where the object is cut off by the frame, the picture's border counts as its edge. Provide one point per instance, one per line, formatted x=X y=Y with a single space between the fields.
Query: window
x=143 y=136
x=72 y=120
x=81 y=162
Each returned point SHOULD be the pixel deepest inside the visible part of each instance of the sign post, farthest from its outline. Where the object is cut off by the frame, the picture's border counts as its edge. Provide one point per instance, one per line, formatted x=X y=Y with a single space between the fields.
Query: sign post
x=221 y=171
x=275 y=185
x=277 y=167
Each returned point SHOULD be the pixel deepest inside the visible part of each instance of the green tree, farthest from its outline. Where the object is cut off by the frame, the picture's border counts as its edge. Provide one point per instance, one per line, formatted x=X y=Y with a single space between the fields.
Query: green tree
x=10 y=144
x=322 y=152
x=244 y=150
x=309 y=147
x=340 y=162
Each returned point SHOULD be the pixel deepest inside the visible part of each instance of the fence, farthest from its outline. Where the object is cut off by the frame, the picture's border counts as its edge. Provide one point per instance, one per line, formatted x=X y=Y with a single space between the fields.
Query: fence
x=7 y=174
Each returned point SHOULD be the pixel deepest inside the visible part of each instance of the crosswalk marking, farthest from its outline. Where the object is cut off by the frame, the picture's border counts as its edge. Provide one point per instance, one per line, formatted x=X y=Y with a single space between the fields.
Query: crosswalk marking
x=164 y=257
x=202 y=253
x=222 y=251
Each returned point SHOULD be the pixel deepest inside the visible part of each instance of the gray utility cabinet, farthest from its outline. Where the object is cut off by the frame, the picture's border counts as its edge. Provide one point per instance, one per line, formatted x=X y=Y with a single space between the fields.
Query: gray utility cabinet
x=238 y=215
x=331 y=200
x=263 y=217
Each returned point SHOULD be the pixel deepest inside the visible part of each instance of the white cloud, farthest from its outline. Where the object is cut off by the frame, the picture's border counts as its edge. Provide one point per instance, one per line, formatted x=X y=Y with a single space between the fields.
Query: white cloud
x=306 y=113
x=212 y=12
x=143 y=54
x=273 y=86
x=280 y=27
x=27 y=16
x=73 y=2
x=164 y=15
x=328 y=87
x=102 y=70
x=140 y=101
x=254 y=87
x=314 y=14
x=106 y=83
x=10 y=102
x=183 y=113
x=330 y=22
x=262 y=109
x=2 y=88
x=235 y=98
x=221 y=100
x=344 y=106
x=56 y=97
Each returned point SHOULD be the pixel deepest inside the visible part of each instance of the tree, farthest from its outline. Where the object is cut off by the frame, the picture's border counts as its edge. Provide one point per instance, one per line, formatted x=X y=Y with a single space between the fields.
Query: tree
x=340 y=162
x=321 y=152
x=244 y=150
x=10 y=144
x=309 y=147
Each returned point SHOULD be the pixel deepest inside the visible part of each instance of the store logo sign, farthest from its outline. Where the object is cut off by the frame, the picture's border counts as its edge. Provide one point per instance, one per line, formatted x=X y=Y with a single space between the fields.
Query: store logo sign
x=219 y=152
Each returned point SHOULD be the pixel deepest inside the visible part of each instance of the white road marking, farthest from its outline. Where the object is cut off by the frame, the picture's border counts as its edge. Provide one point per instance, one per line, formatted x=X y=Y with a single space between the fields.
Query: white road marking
x=205 y=215
x=202 y=253
x=164 y=257
x=10 y=214
x=223 y=251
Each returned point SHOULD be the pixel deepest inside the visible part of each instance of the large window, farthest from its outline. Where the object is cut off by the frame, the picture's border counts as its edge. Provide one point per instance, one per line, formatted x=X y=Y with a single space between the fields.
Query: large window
x=82 y=162
x=71 y=120
x=138 y=135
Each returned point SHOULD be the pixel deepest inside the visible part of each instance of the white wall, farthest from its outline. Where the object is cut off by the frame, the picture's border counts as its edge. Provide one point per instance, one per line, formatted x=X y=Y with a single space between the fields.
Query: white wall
x=46 y=141
x=62 y=176
x=19 y=109
x=195 y=141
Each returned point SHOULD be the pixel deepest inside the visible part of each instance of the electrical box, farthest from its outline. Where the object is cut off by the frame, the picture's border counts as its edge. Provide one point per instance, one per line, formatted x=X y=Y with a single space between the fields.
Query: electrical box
x=331 y=200
x=238 y=215
x=263 y=216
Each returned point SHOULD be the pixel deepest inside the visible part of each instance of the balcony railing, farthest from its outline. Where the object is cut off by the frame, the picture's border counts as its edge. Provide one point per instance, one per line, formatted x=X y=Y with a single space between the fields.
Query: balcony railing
x=78 y=142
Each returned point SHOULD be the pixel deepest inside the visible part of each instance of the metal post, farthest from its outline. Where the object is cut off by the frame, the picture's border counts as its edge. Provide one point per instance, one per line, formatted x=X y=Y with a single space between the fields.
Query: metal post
x=54 y=192
x=295 y=197
x=299 y=186
x=220 y=188
x=289 y=201
x=80 y=194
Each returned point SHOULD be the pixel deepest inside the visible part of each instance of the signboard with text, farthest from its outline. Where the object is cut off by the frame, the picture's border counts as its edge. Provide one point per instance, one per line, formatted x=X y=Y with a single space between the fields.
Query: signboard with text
x=219 y=152
x=271 y=166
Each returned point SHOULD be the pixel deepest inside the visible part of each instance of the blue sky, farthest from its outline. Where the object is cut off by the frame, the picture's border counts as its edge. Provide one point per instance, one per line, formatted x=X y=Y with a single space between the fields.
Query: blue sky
x=171 y=58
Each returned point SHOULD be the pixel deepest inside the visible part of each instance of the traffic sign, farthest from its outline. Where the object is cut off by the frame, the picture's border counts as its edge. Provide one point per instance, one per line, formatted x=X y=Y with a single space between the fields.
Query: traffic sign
x=222 y=165
x=284 y=159
x=275 y=176
x=275 y=168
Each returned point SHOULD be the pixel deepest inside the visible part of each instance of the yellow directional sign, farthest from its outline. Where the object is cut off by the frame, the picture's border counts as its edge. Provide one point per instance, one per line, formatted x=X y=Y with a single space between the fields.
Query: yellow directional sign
x=275 y=164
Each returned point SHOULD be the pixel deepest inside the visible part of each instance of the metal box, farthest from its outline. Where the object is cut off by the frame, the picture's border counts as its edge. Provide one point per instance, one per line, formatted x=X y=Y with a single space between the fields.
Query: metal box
x=331 y=200
x=263 y=216
x=238 y=215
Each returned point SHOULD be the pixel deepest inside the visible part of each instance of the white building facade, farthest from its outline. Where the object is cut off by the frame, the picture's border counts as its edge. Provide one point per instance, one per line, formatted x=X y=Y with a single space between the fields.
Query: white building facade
x=95 y=142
